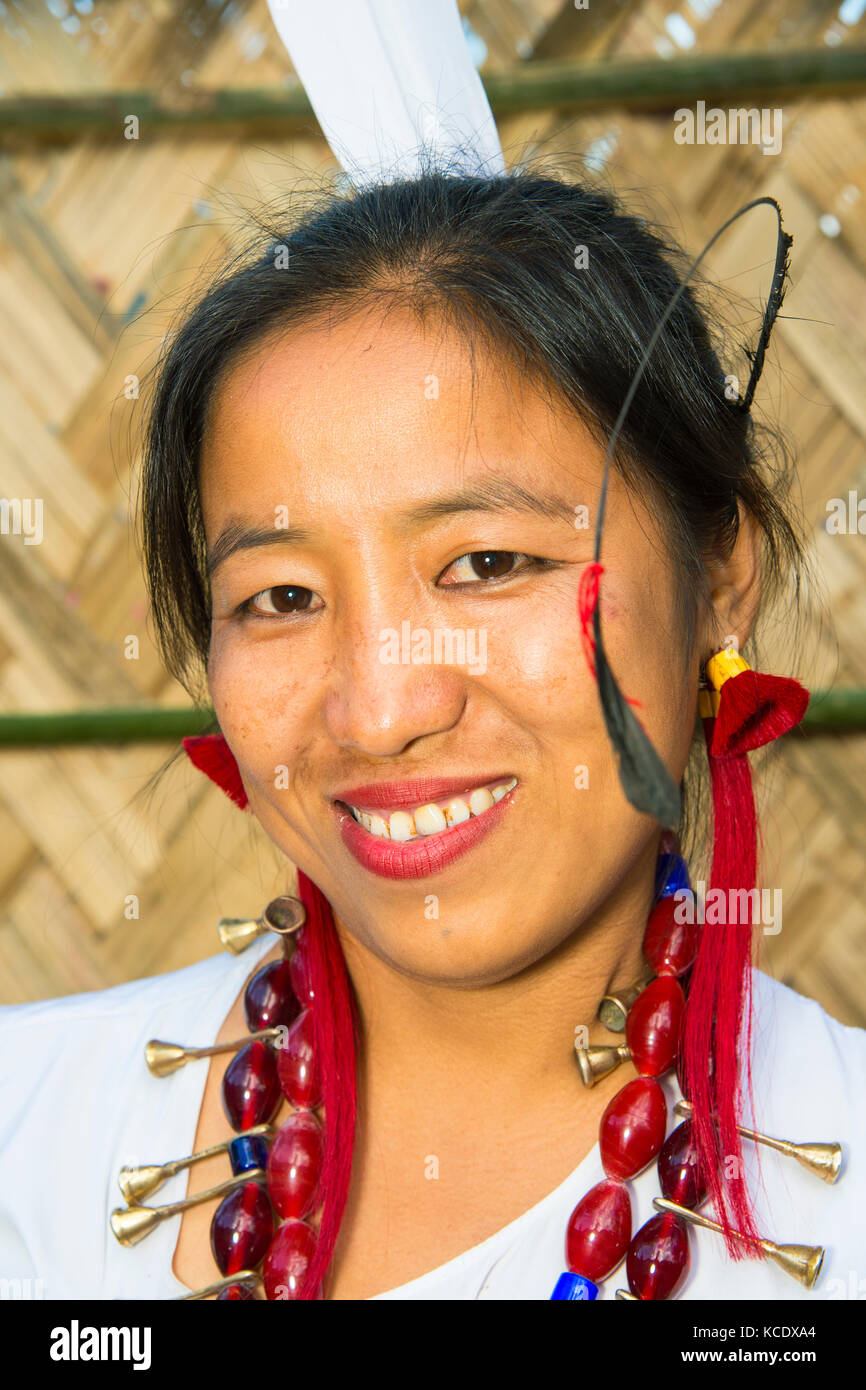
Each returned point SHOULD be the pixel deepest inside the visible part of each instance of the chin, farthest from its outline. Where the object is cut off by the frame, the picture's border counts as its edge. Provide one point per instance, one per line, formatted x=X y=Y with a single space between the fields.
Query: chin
x=481 y=945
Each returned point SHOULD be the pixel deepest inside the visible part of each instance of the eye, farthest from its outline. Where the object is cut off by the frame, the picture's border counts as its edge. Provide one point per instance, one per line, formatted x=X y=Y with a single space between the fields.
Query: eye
x=281 y=599
x=479 y=565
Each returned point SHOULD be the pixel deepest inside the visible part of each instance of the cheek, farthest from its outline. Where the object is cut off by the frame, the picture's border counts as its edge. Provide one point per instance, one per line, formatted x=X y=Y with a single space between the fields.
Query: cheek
x=646 y=650
x=262 y=703
x=537 y=663
x=537 y=651
x=539 y=676
x=540 y=673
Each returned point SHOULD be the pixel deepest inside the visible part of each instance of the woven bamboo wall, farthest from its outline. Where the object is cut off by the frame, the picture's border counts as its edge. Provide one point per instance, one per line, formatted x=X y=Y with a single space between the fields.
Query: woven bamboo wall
x=99 y=245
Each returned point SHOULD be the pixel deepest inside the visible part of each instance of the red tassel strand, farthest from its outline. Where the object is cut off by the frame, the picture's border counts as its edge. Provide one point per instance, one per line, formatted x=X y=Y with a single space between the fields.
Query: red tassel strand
x=587 y=602
x=334 y=1041
x=211 y=755
x=753 y=709
x=719 y=1005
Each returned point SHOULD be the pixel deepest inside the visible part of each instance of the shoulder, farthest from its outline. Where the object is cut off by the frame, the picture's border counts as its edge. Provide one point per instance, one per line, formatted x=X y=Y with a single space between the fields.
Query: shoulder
x=807 y=1067
x=808 y=1083
x=90 y=1042
x=118 y=1001
x=805 y=1056
x=77 y=1103
x=784 y=1005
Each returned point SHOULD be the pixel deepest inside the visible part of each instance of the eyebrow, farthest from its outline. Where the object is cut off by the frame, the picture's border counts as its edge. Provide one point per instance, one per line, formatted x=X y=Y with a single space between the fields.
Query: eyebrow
x=238 y=535
x=490 y=495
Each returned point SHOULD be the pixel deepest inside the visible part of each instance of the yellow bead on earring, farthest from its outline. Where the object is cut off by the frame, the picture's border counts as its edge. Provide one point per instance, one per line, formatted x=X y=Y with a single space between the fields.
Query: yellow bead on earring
x=719 y=668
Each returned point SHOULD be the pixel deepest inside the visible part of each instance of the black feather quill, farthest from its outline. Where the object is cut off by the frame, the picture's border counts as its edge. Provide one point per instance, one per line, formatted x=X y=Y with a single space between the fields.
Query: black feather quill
x=645 y=780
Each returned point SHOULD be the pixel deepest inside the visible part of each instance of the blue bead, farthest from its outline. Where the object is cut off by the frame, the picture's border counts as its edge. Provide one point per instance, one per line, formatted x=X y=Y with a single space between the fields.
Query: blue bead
x=576 y=1287
x=247 y=1152
x=672 y=875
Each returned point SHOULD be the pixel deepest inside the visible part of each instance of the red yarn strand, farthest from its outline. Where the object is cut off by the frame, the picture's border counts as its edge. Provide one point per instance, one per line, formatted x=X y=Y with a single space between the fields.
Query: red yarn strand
x=211 y=755
x=718 y=1017
x=753 y=710
x=587 y=601
x=334 y=1035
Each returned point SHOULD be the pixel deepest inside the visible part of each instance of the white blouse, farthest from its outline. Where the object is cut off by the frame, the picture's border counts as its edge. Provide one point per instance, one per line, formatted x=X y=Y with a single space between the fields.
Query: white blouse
x=77 y=1103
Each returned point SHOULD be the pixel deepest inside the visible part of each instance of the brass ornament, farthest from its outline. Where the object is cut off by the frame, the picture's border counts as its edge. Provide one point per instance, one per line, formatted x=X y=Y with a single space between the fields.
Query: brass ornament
x=599 y=1061
x=614 y=1006
x=163 y=1058
x=237 y=933
x=284 y=916
x=141 y=1182
x=802 y=1262
x=244 y=1276
x=824 y=1160
x=131 y=1224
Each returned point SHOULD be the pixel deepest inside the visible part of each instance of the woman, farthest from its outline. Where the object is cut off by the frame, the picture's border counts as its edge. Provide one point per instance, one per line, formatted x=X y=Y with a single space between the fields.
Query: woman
x=374 y=458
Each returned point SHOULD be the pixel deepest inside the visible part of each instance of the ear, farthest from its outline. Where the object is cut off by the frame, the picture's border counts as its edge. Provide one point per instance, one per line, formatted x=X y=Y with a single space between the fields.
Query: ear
x=735 y=586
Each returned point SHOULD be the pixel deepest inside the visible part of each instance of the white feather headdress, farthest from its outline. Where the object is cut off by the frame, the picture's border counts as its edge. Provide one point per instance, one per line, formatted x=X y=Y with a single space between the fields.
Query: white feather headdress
x=392 y=84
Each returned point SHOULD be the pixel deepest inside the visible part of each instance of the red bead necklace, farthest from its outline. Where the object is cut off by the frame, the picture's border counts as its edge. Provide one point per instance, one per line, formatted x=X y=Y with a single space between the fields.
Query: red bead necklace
x=632 y=1133
x=599 y=1231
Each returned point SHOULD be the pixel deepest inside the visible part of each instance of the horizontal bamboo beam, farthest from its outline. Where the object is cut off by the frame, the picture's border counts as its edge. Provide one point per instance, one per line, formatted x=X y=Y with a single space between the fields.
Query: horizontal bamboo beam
x=636 y=84
x=834 y=710
x=656 y=83
x=837 y=711
x=139 y=724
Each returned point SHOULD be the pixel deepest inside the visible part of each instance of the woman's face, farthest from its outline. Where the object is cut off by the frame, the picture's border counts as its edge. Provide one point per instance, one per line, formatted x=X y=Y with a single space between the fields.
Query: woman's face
x=396 y=555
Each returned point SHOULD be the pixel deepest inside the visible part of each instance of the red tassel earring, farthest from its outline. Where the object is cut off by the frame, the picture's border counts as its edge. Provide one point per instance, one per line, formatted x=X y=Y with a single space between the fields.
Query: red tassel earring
x=743 y=710
x=211 y=755
x=748 y=709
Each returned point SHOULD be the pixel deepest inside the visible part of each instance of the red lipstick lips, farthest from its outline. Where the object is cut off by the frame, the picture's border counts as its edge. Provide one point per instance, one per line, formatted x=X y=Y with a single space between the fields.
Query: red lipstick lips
x=428 y=854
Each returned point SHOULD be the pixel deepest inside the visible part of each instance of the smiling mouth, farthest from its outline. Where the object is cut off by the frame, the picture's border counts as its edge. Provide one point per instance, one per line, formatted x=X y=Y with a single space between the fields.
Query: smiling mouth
x=433 y=817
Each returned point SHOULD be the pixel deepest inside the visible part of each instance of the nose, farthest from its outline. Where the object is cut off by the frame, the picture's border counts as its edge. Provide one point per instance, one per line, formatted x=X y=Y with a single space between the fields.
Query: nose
x=387 y=688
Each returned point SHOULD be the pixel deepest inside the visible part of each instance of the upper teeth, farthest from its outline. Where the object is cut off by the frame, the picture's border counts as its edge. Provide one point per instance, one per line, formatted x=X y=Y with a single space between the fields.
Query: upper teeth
x=432 y=818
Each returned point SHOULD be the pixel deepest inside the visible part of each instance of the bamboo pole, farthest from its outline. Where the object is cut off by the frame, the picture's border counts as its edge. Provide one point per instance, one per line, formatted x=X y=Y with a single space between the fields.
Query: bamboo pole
x=833 y=710
x=634 y=84
x=138 y=724
x=654 y=83
x=829 y=711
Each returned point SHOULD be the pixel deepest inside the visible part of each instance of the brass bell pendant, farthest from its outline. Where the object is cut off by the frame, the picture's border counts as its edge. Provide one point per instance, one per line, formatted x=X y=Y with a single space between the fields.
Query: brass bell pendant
x=802 y=1262
x=614 y=1007
x=824 y=1160
x=163 y=1057
x=284 y=916
x=143 y=1181
x=249 y=1278
x=599 y=1060
x=131 y=1224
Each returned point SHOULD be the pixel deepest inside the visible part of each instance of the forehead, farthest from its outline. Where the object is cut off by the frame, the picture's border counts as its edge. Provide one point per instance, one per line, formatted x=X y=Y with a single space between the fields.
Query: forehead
x=380 y=406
